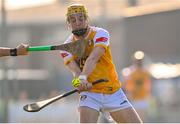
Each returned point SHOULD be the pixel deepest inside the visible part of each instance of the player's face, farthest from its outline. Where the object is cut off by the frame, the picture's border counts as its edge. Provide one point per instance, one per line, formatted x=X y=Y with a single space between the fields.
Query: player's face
x=77 y=21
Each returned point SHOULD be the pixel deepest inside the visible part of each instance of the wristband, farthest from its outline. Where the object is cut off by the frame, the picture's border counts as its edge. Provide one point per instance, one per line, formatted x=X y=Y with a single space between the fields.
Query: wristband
x=13 y=52
x=82 y=77
x=76 y=82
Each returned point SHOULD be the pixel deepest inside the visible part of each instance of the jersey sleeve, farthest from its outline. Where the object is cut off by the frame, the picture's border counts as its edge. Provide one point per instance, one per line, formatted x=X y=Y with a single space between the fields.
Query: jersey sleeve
x=67 y=56
x=102 y=38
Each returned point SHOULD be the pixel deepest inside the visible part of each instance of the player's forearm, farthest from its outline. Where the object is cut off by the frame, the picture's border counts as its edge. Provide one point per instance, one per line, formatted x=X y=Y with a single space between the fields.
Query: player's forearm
x=89 y=66
x=92 y=60
x=4 y=51
x=73 y=67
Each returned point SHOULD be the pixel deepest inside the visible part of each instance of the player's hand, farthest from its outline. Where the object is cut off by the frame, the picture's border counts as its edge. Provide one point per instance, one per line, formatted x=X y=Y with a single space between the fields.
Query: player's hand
x=22 y=49
x=84 y=86
x=81 y=85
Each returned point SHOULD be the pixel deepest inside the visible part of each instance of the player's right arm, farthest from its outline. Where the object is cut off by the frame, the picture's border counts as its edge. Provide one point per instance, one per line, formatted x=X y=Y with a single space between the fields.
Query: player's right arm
x=74 y=68
x=68 y=59
x=70 y=63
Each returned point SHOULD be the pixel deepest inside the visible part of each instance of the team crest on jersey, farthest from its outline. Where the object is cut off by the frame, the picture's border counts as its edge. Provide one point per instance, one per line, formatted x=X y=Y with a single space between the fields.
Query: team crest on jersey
x=83 y=97
x=90 y=42
x=101 y=39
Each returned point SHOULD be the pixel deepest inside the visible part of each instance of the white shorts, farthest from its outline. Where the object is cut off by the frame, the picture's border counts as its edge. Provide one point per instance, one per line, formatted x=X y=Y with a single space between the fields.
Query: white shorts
x=104 y=102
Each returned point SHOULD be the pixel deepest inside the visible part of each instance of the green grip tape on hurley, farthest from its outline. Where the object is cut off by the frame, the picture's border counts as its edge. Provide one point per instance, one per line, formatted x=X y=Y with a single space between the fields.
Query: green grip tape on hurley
x=40 y=48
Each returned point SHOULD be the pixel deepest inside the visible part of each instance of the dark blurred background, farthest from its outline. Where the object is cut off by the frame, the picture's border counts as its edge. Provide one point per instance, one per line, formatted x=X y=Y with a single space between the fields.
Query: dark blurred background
x=151 y=26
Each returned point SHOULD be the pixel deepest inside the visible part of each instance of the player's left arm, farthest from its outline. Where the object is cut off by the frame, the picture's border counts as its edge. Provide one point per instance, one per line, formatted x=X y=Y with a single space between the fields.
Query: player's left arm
x=89 y=67
x=92 y=60
x=101 y=42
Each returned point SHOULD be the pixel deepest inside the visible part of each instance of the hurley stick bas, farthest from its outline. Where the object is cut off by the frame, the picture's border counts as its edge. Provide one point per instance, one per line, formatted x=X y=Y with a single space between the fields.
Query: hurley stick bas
x=76 y=48
x=37 y=106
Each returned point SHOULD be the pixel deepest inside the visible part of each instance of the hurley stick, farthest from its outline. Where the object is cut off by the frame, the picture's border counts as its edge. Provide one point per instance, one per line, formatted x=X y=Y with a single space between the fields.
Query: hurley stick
x=35 y=107
x=76 y=48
